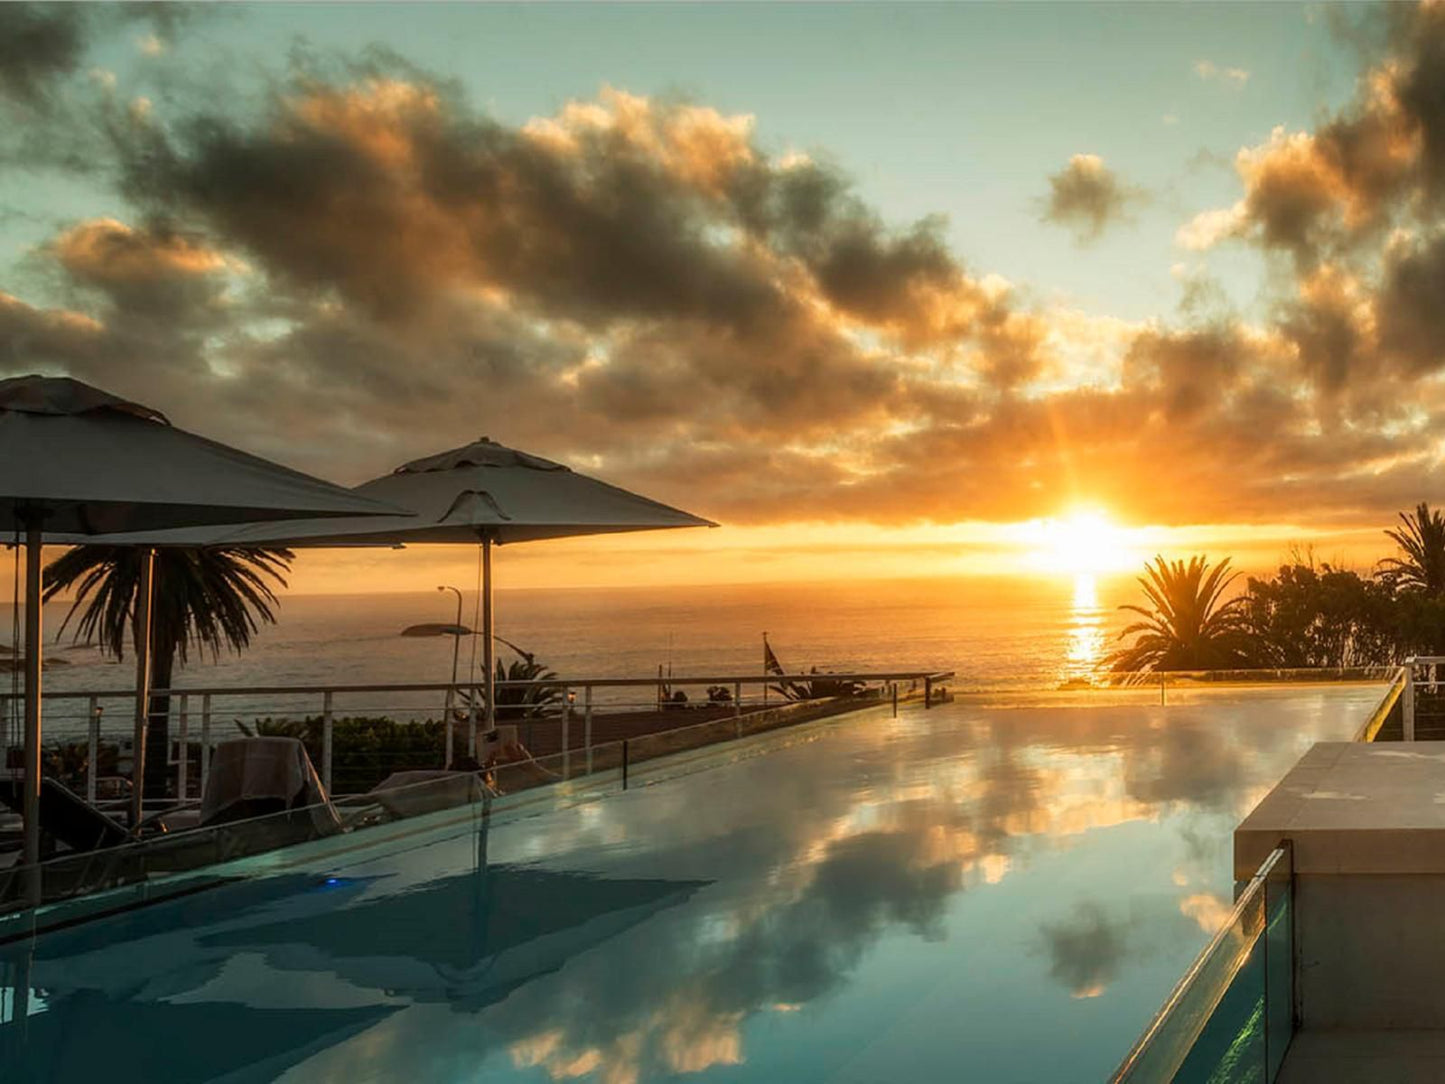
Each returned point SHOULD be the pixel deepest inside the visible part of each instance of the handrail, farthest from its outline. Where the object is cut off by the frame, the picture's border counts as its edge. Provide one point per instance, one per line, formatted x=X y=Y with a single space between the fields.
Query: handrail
x=1249 y=674
x=550 y=683
x=1377 y=718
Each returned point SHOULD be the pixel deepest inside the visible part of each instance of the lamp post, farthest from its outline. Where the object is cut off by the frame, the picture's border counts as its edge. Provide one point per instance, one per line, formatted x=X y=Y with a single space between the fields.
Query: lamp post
x=452 y=688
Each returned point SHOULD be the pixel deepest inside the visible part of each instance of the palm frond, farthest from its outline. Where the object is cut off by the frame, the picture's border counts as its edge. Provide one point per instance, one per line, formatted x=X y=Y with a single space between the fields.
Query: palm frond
x=1188 y=624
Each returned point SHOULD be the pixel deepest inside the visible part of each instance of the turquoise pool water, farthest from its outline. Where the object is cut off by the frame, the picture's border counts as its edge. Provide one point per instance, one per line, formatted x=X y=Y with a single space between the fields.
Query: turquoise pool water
x=999 y=892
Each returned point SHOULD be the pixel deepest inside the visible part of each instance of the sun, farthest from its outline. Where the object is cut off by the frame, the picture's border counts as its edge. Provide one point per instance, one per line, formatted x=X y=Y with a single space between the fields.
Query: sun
x=1084 y=542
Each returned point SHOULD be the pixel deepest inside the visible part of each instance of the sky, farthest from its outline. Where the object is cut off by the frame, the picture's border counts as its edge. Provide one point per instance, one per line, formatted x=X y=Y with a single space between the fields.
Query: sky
x=884 y=289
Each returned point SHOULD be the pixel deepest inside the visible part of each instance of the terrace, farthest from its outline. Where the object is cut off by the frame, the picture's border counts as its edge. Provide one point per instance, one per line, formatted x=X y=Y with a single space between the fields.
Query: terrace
x=1006 y=881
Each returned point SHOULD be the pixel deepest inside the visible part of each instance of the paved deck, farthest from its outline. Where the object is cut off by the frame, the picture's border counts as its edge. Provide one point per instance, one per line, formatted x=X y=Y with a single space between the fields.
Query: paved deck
x=1365 y=1057
x=1353 y=808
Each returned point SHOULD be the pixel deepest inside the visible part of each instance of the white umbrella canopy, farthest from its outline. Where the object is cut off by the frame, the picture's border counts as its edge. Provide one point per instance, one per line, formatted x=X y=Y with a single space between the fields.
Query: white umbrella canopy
x=76 y=462
x=484 y=493
x=84 y=462
x=483 y=490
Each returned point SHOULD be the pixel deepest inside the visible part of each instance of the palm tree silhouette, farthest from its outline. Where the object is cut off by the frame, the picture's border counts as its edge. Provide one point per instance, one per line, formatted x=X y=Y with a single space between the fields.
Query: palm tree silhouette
x=1422 y=540
x=208 y=599
x=1185 y=626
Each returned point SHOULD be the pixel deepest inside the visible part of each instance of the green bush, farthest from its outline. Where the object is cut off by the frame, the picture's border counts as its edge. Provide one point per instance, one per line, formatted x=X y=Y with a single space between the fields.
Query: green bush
x=364 y=749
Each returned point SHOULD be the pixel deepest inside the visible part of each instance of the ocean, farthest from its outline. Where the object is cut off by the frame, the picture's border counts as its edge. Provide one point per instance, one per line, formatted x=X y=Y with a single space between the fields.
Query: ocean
x=995 y=633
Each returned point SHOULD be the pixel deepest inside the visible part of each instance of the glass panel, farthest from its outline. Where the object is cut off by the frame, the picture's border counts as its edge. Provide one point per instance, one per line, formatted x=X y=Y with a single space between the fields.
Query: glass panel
x=1230 y=1019
x=1279 y=1004
x=1231 y=1048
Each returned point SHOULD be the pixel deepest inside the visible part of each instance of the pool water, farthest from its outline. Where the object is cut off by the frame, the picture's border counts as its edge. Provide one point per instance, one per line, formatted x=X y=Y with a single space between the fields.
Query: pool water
x=990 y=891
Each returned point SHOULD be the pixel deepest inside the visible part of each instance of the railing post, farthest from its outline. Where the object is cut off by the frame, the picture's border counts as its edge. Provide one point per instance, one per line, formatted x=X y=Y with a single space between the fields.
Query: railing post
x=1407 y=711
x=472 y=724
x=205 y=741
x=566 y=737
x=928 y=692
x=587 y=725
x=93 y=750
x=183 y=774
x=624 y=763
x=326 y=729
x=737 y=698
x=447 y=739
x=894 y=686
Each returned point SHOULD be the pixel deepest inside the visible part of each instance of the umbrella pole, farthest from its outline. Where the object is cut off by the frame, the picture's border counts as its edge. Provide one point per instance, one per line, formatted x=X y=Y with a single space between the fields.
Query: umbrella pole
x=31 y=804
x=489 y=683
x=142 y=684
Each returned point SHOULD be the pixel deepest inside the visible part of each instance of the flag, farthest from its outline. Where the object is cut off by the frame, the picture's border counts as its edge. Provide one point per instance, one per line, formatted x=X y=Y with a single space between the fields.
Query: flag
x=771 y=665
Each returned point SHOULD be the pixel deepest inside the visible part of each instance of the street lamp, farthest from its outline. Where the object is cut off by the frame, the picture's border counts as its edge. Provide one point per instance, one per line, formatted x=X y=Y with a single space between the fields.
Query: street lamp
x=452 y=688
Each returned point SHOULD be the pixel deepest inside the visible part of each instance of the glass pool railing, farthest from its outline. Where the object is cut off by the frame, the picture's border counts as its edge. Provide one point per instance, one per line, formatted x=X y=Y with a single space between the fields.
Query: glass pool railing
x=78 y=886
x=1231 y=1018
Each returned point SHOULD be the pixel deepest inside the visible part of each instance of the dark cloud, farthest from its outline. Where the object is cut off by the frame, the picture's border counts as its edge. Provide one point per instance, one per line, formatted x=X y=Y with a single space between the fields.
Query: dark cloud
x=1421 y=87
x=1192 y=371
x=45 y=339
x=1325 y=326
x=39 y=44
x=1087 y=197
x=1411 y=307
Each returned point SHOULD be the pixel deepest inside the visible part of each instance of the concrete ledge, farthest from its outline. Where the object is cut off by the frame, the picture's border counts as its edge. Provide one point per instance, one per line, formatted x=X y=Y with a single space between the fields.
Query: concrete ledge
x=1353 y=808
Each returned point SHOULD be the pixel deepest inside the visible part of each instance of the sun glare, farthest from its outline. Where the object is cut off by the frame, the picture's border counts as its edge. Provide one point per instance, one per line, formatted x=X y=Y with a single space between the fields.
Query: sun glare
x=1083 y=543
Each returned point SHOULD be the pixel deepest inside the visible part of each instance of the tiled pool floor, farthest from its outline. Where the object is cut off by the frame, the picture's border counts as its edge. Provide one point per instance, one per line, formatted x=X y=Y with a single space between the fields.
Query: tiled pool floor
x=992 y=893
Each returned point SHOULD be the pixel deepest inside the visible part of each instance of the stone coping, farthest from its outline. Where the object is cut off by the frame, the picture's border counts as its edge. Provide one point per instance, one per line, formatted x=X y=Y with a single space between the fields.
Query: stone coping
x=1353 y=808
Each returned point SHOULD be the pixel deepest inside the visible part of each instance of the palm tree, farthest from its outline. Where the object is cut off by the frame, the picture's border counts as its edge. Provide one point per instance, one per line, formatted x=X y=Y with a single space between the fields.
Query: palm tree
x=1185 y=626
x=1422 y=539
x=207 y=599
x=516 y=702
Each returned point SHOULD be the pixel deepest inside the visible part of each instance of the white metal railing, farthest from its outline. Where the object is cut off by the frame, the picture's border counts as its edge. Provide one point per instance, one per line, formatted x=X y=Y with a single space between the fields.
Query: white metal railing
x=203 y=716
x=1427 y=671
x=1415 y=673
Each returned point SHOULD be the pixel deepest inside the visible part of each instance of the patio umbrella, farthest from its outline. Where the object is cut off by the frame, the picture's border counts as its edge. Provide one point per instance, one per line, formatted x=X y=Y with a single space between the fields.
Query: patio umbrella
x=76 y=462
x=482 y=493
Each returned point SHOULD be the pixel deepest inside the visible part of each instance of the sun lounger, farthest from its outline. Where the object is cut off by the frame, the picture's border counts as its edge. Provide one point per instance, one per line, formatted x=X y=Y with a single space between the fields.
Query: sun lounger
x=411 y=793
x=66 y=816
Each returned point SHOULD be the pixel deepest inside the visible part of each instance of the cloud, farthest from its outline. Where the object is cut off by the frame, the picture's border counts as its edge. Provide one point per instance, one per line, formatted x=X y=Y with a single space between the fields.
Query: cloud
x=1087 y=196
x=1085 y=950
x=142 y=271
x=1208 y=228
x=1351 y=212
x=1321 y=195
x=1212 y=72
x=636 y=284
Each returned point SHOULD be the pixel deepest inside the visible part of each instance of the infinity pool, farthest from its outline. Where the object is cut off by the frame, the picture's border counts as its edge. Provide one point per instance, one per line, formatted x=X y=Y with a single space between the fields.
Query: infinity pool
x=994 y=892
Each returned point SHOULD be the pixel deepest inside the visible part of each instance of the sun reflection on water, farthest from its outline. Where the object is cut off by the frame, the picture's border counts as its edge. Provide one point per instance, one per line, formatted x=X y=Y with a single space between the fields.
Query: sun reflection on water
x=1086 y=633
